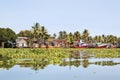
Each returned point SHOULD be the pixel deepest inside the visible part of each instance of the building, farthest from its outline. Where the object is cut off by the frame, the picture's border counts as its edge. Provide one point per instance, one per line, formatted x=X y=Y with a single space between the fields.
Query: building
x=22 y=42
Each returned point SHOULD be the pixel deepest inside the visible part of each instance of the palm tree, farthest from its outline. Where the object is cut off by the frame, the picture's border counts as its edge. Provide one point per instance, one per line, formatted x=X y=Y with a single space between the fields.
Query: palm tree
x=97 y=39
x=109 y=38
x=36 y=31
x=104 y=38
x=60 y=35
x=54 y=35
x=64 y=35
x=89 y=39
x=44 y=35
x=77 y=36
x=118 y=40
x=70 y=38
x=39 y=33
x=85 y=34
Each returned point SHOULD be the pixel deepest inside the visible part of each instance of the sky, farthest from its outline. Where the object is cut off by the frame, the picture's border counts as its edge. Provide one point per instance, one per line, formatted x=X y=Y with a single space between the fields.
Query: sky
x=98 y=16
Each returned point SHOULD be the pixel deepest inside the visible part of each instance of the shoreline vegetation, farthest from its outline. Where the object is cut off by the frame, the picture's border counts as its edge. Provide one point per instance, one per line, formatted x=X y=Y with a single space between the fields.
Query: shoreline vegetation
x=39 y=58
x=38 y=37
x=38 y=52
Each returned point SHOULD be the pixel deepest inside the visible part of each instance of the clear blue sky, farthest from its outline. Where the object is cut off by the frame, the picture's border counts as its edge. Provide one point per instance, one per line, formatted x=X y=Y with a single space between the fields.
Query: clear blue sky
x=98 y=16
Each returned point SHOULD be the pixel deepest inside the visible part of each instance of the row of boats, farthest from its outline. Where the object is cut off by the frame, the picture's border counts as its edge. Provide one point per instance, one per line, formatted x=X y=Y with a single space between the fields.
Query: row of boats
x=96 y=45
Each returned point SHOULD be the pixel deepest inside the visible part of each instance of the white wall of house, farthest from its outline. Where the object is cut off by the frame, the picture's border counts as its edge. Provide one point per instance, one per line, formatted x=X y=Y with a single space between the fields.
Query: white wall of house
x=21 y=42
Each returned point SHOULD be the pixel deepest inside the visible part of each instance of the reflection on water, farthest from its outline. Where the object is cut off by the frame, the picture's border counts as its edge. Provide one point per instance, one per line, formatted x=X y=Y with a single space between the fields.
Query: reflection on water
x=76 y=66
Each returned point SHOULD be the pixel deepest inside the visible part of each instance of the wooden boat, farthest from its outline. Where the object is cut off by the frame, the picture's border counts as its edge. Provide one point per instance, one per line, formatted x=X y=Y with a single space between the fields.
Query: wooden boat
x=99 y=45
x=82 y=46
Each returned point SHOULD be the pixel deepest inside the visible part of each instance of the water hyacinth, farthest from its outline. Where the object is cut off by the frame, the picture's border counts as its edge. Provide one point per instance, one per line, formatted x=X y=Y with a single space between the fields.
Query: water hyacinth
x=59 y=52
x=41 y=57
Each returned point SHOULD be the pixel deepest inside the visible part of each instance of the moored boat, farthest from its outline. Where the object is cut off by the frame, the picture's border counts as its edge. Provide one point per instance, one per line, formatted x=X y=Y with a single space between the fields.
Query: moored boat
x=82 y=45
x=100 y=45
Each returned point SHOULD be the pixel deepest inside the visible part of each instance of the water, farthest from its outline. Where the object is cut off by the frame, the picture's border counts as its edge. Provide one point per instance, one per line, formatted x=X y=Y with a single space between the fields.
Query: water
x=89 y=68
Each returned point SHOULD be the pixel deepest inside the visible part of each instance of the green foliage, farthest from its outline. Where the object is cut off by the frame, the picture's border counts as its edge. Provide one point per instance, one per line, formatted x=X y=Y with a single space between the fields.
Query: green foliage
x=42 y=57
x=77 y=36
x=85 y=35
x=32 y=53
x=105 y=53
x=39 y=33
x=24 y=33
x=7 y=34
x=62 y=35
x=70 y=38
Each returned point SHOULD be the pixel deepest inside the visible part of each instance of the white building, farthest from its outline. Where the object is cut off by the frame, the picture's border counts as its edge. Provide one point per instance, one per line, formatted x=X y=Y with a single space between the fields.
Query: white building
x=22 y=42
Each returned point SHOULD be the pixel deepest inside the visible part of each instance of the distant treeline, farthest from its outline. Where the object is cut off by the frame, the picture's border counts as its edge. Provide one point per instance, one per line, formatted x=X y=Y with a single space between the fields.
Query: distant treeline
x=38 y=32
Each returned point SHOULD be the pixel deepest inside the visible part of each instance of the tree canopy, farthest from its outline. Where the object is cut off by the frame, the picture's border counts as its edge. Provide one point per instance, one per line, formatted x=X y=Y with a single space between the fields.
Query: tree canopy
x=7 y=34
x=39 y=32
x=24 y=33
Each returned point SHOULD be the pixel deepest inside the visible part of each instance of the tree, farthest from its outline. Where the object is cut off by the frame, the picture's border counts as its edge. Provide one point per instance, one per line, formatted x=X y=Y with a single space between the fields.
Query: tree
x=85 y=34
x=98 y=39
x=118 y=40
x=44 y=34
x=39 y=33
x=7 y=34
x=77 y=36
x=54 y=35
x=111 y=39
x=103 y=38
x=24 y=33
x=90 y=39
x=62 y=35
x=70 y=38
x=36 y=31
